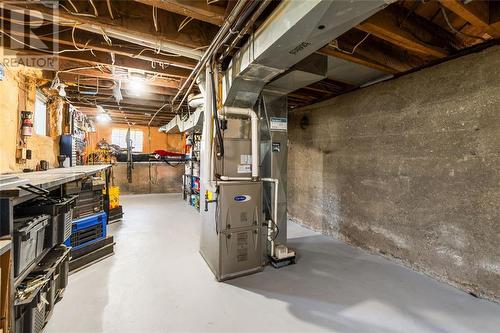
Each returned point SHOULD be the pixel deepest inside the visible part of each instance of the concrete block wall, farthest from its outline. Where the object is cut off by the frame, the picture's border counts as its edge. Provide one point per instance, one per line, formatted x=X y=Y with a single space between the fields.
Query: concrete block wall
x=409 y=168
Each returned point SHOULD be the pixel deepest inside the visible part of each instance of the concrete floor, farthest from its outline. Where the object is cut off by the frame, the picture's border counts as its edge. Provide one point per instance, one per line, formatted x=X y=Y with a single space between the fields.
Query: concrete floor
x=157 y=282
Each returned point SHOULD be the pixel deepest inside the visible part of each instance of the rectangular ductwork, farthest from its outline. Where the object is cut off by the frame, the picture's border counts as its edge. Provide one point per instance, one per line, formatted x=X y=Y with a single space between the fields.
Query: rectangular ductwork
x=295 y=30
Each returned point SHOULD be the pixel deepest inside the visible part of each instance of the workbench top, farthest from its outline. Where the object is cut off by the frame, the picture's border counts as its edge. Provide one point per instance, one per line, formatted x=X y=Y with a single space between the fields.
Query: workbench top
x=49 y=178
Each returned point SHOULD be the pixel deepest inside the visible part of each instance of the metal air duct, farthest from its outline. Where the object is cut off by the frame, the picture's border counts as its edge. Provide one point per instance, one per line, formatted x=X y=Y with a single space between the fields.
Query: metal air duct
x=293 y=31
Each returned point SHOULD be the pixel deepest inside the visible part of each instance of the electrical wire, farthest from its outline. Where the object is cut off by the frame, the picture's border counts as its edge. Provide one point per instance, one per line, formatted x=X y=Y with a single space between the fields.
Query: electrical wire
x=110 y=10
x=38 y=49
x=157 y=111
x=76 y=46
x=96 y=13
x=155 y=18
x=355 y=46
x=73 y=5
x=76 y=14
x=220 y=141
x=443 y=11
x=184 y=23
x=277 y=230
x=106 y=37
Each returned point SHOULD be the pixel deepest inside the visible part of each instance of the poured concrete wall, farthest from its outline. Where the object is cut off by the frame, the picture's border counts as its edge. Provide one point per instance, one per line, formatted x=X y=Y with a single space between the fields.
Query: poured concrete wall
x=409 y=168
x=157 y=177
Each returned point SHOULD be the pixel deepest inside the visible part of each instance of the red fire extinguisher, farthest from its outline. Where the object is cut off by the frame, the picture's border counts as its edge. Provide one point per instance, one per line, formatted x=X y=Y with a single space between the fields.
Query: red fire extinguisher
x=26 y=123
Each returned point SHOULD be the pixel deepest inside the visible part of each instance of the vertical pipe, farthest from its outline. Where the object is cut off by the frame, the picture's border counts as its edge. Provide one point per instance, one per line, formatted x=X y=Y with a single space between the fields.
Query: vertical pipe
x=275 y=181
x=255 y=146
x=206 y=160
x=249 y=113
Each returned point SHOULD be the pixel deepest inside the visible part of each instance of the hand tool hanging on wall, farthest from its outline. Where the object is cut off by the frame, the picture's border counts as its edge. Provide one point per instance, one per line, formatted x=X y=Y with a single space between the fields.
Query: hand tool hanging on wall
x=130 y=162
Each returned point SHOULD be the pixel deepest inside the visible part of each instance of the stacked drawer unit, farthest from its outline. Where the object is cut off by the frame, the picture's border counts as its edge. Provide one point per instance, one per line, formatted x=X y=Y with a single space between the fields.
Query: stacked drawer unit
x=89 y=241
x=41 y=290
x=90 y=198
x=87 y=230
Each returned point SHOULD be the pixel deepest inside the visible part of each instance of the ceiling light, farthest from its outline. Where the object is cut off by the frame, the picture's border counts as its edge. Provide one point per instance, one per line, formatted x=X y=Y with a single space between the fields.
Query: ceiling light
x=62 y=92
x=136 y=84
x=102 y=116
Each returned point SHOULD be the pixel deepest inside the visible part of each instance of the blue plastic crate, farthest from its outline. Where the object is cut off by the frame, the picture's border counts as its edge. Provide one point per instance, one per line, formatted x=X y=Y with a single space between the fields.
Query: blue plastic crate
x=87 y=230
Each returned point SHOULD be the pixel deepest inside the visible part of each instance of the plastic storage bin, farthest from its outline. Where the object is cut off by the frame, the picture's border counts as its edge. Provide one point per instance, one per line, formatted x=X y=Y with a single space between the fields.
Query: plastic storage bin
x=46 y=205
x=87 y=230
x=55 y=267
x=31 y=316
x=59 y=229
x=28 y=237
x=60 y=209
x=114 y=197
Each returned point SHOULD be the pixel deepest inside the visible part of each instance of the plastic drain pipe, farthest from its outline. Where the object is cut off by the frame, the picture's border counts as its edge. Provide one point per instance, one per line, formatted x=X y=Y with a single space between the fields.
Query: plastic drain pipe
x=275 y=211
x=249 y=113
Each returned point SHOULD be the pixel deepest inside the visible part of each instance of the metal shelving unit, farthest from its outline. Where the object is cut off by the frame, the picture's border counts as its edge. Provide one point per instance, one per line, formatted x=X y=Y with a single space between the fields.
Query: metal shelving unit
x=191 y=177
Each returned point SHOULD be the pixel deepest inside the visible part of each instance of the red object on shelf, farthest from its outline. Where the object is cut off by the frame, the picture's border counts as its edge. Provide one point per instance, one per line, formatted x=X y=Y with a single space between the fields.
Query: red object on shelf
x=162 y=153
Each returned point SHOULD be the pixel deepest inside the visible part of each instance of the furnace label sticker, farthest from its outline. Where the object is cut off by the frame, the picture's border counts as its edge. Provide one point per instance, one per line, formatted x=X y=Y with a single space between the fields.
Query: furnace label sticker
x=244 y=168
x=278 y=124
x=245 y=159
x=242 y=245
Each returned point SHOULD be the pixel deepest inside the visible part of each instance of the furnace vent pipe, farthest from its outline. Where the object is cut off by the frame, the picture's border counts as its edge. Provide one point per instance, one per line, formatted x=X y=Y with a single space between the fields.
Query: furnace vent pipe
x=249 y=113
x=206 y=158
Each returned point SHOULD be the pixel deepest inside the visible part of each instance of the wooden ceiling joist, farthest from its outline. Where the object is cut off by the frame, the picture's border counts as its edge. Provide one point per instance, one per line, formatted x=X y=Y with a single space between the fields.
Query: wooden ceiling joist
x=357 y=59
x=130 y=64
x=476 y=13
x=133 y=20
x=197 y=9
x=397 y=26
x=81 y=39
x=370 y=51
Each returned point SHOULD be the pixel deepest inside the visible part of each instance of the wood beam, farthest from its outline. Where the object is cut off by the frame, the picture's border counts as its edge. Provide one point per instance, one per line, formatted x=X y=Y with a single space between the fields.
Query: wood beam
x=114 y=106
x=84 y=39
x=357 y=59
x=134 y=20
x=373 y=52
x=476 y=13
x=398 y=26
x=130 y=102
x=197 y=9
x=128 y=97
x=132 y=117
x=72 y=71
x=105 y=59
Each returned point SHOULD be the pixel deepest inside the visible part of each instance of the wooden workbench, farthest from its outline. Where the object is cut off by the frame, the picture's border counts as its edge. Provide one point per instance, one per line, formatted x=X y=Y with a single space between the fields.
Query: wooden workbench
x=10 y=196
x=48 y=179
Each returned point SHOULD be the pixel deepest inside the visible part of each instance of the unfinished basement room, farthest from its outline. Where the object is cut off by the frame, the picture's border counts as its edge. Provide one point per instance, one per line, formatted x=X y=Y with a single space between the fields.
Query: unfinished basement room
x=249 y=166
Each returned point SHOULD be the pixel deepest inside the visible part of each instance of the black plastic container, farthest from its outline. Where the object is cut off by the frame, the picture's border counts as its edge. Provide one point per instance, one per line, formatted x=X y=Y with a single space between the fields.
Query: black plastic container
x=30 y=317
x=59 y=229
x=55 y=267
x=29 y=234
x=46 y=205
